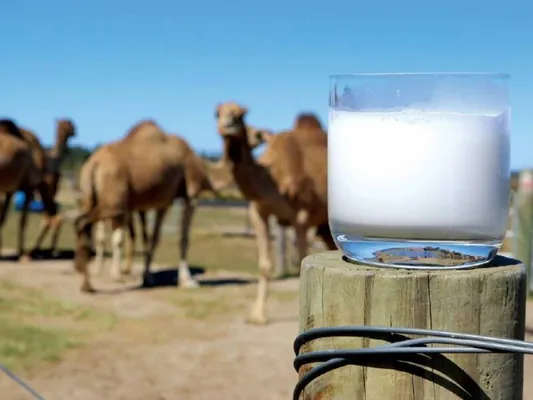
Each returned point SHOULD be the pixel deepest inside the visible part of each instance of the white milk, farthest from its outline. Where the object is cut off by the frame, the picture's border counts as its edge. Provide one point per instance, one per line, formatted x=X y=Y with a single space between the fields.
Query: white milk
x=418 y=175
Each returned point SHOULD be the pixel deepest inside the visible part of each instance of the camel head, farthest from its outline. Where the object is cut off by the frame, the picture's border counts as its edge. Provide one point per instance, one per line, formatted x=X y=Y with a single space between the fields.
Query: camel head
x=230 y=120
x=65 y=129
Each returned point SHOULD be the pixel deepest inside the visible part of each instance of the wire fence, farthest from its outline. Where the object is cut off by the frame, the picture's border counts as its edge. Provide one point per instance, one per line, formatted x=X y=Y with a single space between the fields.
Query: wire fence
x=20 y=382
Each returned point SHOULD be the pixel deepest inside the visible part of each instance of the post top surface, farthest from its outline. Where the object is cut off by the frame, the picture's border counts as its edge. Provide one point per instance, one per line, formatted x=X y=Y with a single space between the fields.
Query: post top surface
x=334 y=260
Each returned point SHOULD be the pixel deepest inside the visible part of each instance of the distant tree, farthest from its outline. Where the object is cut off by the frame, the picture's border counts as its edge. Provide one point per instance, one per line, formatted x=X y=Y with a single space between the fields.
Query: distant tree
x=75 y=157
x=210 y=156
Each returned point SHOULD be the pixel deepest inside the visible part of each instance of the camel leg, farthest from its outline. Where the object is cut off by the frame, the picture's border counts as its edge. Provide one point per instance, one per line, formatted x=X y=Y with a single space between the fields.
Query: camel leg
x=148 y=279
x=324 y=232
x=185 y=279
x=130 y=247
x=99 y=244
x=48 y=222
x=82 y=254
x=43 y=230
x=144 y=233
x=28 y=197
x=117 y=243
x=4 y=208
x=302 y=244
x=260 y=225
x=57 y=224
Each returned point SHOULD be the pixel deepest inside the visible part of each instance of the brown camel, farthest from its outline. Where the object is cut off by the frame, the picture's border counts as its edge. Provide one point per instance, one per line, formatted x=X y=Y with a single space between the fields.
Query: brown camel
x=145 y=170
x=289 y=181
x=198 y=178
x=22 y=167
x=201 y=175
x=65 y=129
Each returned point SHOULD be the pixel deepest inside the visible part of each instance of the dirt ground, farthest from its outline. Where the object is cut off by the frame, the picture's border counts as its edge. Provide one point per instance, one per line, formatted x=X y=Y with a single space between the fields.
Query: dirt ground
x=155 y=353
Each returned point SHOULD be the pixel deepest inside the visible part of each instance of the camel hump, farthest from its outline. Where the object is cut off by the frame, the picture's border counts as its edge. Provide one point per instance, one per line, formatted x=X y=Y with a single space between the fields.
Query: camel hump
x=145 y=130
x=307 y=120
x=9 y=127
x=31 y=138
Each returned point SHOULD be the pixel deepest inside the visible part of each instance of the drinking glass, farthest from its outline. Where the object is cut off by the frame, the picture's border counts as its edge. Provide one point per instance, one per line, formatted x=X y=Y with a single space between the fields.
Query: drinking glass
x=418 y=168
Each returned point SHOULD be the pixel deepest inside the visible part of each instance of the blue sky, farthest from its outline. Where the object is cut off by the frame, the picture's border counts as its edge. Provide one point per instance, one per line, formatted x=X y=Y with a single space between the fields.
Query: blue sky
x=107 y=64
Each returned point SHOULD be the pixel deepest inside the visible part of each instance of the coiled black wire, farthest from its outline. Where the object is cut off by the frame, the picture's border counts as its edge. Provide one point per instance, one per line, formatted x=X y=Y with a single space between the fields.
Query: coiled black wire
x=399 y=347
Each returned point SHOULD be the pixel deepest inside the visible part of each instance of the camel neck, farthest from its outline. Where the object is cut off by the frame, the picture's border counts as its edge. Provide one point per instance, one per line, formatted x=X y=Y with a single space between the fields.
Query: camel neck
x=238 y=155
x=237 y=151
x=57 y=153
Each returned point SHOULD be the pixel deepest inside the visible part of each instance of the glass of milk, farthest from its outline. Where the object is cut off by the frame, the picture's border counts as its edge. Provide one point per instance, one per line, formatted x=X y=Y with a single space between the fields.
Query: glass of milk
x=418 y=168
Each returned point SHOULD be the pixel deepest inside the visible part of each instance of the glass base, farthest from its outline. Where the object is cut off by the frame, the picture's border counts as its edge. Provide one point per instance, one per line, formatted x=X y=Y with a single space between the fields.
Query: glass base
x=417 y=254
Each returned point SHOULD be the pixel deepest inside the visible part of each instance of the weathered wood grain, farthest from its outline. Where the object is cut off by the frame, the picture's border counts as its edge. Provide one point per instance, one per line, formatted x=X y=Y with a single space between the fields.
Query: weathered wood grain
x=487 y=301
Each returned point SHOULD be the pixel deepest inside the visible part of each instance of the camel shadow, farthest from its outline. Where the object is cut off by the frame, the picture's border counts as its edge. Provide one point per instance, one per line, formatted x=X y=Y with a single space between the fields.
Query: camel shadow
x=47 y=255
x=9 y=258
x=170 y=277
x=43 y=255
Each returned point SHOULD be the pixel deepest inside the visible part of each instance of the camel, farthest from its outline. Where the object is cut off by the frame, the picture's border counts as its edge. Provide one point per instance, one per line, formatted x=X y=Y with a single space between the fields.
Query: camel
x=289 y=181
x=207 y=176
x=198 y=178
x=22 y=167
x=147 y=169
x=65 y=129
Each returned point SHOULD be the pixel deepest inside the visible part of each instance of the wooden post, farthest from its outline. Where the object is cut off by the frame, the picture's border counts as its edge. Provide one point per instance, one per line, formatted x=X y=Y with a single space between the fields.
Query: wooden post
x=486 y=301
x=523 y=222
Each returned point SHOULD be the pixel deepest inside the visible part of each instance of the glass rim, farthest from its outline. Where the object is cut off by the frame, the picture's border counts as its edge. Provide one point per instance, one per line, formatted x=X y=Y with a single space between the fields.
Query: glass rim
x=496 y=75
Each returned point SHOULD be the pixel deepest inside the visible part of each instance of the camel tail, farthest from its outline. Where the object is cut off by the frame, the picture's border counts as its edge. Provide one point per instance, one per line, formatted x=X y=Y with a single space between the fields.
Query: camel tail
x=87 y=199
x=85 y=220
x=94 y=197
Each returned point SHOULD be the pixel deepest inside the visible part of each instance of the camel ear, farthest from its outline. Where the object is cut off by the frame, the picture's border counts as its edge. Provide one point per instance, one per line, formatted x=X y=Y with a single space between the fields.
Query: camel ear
x=244 y=111
x=217 y=110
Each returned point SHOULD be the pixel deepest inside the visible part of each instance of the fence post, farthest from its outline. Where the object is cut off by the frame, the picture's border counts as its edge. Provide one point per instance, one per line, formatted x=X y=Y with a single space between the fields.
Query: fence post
x=523 y=223
x=485 y=301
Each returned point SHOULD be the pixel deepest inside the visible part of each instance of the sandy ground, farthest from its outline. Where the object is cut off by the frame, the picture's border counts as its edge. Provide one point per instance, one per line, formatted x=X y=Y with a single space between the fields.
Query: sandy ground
x=169 y=357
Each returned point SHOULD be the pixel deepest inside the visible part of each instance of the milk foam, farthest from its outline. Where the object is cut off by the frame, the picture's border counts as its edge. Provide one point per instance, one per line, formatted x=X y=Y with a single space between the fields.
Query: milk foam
x=418 y=175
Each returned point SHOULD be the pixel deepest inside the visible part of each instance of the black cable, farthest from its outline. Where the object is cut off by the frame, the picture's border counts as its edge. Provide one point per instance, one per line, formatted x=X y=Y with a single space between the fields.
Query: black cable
x=398 y=350
x=20 y=382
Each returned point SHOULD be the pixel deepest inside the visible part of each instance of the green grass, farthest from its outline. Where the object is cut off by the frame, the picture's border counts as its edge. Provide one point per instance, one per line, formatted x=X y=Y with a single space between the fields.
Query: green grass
x=201 y=304
x=22 y=346
x=209 y=248
x=35 y=328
